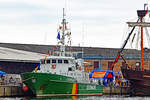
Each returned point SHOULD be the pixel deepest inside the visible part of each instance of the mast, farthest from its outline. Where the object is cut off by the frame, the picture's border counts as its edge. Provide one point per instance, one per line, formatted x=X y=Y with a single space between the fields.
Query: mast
x=62 y=47
x=63 y=33
x=141 y=14
x=140 y=22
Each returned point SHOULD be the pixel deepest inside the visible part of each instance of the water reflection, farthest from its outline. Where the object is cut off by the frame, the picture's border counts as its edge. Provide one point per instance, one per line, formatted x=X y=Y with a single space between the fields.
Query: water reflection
x=114 y=97
x=57 y=98
x=80 y=98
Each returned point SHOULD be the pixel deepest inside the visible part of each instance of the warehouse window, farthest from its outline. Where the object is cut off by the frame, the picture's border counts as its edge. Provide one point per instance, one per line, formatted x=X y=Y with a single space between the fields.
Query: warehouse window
x=110 y=64
x=96 y=64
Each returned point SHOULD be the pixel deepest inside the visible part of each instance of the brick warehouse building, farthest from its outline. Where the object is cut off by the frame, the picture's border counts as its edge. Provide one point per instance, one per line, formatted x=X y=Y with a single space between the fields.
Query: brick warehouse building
x=96 y=57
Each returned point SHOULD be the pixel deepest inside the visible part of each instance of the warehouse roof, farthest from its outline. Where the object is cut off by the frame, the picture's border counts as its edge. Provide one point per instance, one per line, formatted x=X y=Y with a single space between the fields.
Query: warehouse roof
x=8 y=54
x=98 y=52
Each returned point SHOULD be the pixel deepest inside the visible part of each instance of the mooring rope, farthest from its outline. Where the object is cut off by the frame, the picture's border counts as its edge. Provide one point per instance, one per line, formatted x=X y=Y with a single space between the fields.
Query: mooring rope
x=27 y=79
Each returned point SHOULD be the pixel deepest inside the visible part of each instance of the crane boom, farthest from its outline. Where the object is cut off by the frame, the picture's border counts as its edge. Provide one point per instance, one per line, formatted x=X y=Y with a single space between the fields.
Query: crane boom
x=122 y=48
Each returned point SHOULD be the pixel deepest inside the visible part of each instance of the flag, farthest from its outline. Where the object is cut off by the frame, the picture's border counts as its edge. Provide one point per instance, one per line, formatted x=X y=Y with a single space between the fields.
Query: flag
x=54 y=48
x=60 y=27
x=70 y=42
x=45 y=60
x=49 y=52
x=58 y=35
x=37 y=68
x=66 y=27
x=147 y=11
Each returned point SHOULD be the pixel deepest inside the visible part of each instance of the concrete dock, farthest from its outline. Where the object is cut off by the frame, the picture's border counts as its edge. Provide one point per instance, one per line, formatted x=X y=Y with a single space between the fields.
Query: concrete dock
x=10 y=91
x=13 y=90
x=10 y=85
x=116 y=90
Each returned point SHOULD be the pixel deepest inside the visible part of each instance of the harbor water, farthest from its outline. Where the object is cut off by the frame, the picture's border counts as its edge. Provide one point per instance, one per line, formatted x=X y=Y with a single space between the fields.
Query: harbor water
x=81 y=98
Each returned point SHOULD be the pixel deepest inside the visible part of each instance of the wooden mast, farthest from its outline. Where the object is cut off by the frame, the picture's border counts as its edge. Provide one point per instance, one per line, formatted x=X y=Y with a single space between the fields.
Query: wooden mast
x=141 y=24
x=141 y=15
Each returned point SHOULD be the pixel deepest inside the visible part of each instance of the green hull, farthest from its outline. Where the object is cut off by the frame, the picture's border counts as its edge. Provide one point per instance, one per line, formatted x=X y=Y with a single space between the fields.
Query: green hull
x=53 y=84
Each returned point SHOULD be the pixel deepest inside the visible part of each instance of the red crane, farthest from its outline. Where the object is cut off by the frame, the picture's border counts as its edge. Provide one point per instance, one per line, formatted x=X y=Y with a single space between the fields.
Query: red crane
x=122 y=48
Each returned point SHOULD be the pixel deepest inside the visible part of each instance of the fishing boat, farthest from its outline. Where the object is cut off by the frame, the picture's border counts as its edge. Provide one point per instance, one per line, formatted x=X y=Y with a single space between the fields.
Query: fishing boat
x=139 y=77
x=61 y=75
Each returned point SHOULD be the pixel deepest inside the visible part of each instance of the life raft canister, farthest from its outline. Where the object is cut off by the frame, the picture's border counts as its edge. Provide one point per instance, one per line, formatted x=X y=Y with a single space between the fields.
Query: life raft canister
x=80 y=68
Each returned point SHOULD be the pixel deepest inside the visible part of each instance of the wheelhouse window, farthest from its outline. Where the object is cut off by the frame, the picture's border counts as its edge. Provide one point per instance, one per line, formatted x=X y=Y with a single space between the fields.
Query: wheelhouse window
x=71 y=61
x=66 y=61
x=53 y=60
x=69 y=69
x=59 y=61
x=48 y=61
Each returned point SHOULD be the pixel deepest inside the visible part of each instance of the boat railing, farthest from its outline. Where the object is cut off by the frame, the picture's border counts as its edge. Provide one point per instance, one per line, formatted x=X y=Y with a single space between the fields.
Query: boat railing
x=80 y=77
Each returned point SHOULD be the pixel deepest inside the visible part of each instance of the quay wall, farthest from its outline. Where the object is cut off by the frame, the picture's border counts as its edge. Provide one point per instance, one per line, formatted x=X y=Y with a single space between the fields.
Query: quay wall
x=10 y=91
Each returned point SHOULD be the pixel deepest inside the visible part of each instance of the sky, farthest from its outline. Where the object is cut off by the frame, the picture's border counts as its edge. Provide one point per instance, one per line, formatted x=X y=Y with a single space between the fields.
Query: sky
x=93 y=23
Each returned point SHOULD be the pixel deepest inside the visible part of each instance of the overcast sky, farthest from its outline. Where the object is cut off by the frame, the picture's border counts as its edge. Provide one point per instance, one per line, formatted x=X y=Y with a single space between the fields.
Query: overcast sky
x=94 y=23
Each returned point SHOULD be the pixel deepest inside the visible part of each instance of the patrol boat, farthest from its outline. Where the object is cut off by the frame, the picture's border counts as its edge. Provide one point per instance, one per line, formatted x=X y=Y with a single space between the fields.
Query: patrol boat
x=61 y=75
